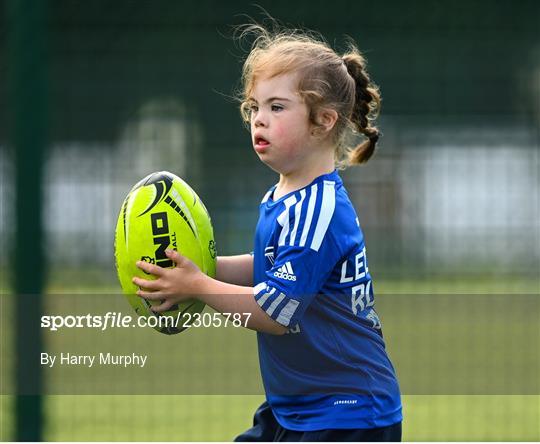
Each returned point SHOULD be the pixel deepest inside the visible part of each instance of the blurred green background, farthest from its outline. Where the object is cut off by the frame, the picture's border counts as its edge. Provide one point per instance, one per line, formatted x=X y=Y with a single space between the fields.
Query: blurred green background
x=449 y=204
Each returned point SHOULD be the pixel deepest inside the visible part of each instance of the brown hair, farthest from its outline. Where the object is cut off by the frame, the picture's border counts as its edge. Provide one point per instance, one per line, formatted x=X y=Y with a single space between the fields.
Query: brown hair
x=327 y=80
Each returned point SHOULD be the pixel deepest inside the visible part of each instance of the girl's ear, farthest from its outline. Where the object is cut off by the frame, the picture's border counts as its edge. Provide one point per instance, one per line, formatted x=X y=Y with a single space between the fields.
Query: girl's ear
x=326 y=120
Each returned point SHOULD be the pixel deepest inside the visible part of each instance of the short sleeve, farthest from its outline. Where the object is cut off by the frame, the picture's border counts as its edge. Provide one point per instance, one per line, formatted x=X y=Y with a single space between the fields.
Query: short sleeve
x=305 y=253
x=295 y=279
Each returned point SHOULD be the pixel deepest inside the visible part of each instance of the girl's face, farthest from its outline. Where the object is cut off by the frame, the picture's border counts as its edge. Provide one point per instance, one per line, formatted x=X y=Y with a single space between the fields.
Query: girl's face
x=280 y=127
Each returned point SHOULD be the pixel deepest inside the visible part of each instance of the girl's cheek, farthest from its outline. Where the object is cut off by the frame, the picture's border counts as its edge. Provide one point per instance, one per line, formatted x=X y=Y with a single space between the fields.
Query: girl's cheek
x=286 y=137
x=279 y=130
x=287 y=134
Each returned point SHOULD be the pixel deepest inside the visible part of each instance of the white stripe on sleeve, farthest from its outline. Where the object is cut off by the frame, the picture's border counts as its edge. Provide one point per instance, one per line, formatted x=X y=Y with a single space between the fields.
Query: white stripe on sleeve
x=287 y=312
x=265 y=297
x=259 y=287
x=274 y=304
x=309 y=215
x=297 y=213
x=325 y=215
x=283 y=219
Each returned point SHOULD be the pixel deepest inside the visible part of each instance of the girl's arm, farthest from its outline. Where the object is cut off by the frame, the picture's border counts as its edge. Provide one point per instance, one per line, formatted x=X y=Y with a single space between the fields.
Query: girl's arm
x=186 y=281
x=236 y=270
x=228 y=298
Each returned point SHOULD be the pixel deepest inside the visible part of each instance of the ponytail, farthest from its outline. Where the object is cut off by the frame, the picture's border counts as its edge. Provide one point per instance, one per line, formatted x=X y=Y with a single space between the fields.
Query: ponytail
x=366 y=107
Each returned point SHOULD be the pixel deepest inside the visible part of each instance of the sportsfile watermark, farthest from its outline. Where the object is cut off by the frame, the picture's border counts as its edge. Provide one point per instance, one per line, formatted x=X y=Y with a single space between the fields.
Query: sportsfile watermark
x=119 y=320
x=439 y=344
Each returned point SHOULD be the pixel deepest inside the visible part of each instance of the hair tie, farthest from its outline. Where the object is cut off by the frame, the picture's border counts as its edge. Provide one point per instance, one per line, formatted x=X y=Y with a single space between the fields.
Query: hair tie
x=374 y=137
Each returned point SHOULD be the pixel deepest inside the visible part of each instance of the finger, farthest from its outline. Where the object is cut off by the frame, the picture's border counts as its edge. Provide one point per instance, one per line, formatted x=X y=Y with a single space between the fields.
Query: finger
x=150 y=268
x=175 y=256
x=164 y=306
x=149 y=295
x=146 y=284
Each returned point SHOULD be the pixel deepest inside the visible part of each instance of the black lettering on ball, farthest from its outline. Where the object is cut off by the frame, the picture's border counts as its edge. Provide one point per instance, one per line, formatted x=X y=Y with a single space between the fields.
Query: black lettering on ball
x=160 y=223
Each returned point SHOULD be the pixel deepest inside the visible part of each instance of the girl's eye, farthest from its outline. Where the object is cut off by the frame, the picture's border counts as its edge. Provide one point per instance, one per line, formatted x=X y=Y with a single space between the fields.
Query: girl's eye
x=253 y=108
x=277 y=108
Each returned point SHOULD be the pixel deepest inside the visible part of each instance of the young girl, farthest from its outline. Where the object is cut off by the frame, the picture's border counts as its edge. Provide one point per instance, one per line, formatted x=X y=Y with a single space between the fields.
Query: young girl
x=307 y=285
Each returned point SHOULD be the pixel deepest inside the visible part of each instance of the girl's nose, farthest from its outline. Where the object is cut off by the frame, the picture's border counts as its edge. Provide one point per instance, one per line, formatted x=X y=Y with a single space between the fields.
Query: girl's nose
x=259 y=119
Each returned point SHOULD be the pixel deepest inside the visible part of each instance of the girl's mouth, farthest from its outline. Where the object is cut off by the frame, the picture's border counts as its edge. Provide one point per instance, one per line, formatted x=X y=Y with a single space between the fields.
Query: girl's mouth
x=261 y=141
x=261 y=144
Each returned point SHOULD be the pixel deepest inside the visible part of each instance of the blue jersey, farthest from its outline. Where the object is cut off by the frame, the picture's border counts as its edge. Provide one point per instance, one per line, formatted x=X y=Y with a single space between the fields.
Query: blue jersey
x=331 y=369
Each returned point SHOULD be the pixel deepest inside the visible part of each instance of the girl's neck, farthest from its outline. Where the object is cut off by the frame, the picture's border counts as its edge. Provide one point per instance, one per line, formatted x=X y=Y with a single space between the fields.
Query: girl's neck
x=298 y=179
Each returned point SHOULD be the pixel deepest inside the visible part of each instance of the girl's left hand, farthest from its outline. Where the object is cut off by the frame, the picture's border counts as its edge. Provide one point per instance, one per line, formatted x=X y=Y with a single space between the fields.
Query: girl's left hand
x=172 y=285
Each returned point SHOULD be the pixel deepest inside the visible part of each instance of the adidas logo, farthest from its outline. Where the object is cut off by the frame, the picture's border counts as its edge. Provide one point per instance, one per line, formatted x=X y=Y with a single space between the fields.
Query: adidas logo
x=285 y=272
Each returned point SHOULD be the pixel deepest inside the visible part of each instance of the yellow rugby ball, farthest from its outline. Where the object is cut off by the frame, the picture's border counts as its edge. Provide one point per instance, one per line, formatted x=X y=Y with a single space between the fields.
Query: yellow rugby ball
x=162 y=212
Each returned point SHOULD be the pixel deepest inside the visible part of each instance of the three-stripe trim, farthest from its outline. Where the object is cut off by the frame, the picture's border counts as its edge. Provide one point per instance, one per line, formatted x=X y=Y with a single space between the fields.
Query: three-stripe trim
x=281 y=312
x=296 y=208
